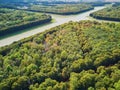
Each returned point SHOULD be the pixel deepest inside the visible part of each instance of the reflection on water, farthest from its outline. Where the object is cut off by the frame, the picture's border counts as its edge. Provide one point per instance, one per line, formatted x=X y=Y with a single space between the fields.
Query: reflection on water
x=58 y=20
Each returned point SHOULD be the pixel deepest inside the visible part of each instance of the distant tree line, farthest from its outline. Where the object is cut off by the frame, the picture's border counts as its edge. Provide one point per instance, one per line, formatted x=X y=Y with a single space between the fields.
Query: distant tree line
x=63 y=9
x=110 y=13
x=15 y=20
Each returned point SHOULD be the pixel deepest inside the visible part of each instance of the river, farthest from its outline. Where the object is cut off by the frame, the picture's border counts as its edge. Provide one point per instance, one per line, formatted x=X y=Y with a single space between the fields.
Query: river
x=58 y=20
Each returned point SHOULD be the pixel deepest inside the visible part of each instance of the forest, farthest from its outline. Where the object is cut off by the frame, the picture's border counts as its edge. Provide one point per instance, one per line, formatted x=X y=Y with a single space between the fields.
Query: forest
x=98 y=3
x=110 y=13
x=73 y=56
x=12 y=20
x=64 y=9
x=55 y=8
x=41 y=4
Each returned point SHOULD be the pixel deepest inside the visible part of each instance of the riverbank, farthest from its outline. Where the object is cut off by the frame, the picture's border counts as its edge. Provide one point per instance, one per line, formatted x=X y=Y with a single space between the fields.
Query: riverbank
x=16 y=20
x=24 y=26
x=105 y=18
x=63 y=13
x=59 y=19
x=109 y=13
x=60 y=9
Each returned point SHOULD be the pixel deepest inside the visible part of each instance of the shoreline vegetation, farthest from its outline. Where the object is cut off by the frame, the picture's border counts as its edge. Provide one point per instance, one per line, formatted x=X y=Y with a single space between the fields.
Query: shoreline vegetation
x=8 y=25
x=14 y=20
x=65 y=13
x=110 y=13
x=73 y=56
x=62 y=9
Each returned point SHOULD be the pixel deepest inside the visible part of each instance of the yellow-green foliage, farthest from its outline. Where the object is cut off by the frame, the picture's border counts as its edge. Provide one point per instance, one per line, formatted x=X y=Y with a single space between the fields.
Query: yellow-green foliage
x=73 y=56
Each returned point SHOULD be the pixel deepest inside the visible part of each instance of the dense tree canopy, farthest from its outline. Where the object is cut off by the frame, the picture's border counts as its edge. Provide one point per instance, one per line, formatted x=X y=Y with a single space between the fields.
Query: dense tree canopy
x=13 y=20
x=110 y=13
x=73 y=56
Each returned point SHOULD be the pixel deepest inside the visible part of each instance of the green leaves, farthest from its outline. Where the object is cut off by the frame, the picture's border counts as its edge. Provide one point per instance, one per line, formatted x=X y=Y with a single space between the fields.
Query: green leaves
x=117 y=85
x=110 y=13
x=12 y=20
x=62 y=8
x=74 y=56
